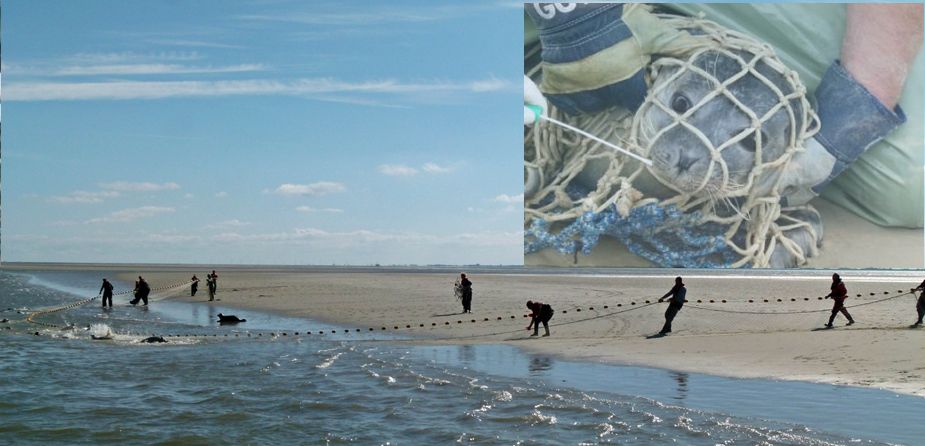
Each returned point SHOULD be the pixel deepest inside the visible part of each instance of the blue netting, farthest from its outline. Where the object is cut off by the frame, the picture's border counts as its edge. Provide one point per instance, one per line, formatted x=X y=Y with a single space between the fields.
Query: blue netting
x=665 y=236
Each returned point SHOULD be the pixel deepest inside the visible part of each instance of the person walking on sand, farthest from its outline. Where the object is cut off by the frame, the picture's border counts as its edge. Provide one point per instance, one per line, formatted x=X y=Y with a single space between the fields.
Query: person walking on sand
x=920 y=303
x=141 y=291
x=106 y=291
x=210 y=284
x=194 y=286
x=540 y=313
x=677 y=293
x=214 y=282
x=466 y=287
x=839 y=294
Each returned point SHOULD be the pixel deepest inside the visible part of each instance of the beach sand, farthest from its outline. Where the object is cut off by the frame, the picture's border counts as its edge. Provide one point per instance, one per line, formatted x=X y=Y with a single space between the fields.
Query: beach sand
x=879 y=351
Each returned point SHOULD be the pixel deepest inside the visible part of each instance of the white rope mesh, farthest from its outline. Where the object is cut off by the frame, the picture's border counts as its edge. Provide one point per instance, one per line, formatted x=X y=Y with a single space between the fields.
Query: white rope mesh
x=557 y=161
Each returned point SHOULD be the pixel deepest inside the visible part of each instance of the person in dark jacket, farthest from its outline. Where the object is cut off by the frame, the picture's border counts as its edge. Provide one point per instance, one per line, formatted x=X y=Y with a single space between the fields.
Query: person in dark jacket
x=141 y=291
x=194 y=286
x=106 y=291
x=540 y=313
x=677 y=293
x=920 y=303
x=839 y=294
x=214 y=281
x=210 y=284
x=466 y=286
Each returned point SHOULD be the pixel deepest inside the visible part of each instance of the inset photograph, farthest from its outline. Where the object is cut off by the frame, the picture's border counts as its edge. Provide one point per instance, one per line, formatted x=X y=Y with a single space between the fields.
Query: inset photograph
x=723 y=136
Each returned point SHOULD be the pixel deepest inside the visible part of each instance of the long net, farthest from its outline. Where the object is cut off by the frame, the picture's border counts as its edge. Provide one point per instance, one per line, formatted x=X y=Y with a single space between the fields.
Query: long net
x=730 y=214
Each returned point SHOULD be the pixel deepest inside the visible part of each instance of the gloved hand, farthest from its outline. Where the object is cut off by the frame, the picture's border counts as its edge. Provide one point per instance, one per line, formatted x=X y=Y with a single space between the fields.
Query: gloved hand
x=534 y=102
x=851 y=120
x=594 y=55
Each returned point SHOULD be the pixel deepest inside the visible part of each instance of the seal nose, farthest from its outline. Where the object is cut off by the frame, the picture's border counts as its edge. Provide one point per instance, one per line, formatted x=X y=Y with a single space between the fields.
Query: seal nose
x=685 y=161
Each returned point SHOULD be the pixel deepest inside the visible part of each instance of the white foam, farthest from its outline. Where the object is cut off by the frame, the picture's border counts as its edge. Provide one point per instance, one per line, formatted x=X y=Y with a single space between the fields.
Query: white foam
x=101 y=331
x=328 y=362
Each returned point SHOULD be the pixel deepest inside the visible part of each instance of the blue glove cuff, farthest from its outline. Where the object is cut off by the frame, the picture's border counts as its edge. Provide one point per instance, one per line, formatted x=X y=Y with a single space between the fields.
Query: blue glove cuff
x=852 y=119
x=629 y=94
x=572 y=31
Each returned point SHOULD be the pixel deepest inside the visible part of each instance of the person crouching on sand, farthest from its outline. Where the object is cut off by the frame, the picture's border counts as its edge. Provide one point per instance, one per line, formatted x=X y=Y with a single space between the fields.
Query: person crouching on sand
x=677 y=293
x=839 y=294
x=540 y=313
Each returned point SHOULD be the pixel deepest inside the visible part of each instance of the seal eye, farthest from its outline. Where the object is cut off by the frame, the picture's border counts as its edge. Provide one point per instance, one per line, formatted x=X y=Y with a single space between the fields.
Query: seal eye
x=680 y=103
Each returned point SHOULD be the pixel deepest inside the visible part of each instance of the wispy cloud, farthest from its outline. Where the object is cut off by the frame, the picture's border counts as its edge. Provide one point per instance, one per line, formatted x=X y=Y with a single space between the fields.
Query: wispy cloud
x=436 y=168
x=309 y=209
x=314 y=189
x=127 y=90
x=420 y=13
x=402 y=170
x=397 y=170
x=125 y=186
x=341 y=19
x=81 y=196
x=233 y=223
x=365 y=237
x=132 y=214
x=128 y=56
x=221 y=194
x=193 y=43
x=510 y=199
x=147 y=69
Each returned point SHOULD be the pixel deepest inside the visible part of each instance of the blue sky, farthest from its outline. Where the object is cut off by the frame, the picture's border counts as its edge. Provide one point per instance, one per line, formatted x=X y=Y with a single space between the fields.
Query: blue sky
x=262 y=131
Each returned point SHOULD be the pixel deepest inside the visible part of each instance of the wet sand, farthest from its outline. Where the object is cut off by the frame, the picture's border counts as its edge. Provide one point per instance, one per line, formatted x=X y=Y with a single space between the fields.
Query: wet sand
x=736 y=339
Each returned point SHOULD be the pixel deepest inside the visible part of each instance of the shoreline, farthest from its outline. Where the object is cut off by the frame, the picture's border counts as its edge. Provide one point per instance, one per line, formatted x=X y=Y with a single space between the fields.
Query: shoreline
x=719 y=339
x=512 y=361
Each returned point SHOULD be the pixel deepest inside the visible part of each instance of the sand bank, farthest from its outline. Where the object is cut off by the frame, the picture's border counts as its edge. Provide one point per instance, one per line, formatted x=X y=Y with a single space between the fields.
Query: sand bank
x=735 y=339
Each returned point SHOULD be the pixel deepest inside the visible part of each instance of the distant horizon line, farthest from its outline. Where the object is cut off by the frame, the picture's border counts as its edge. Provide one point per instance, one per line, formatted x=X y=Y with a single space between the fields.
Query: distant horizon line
x=796 y=273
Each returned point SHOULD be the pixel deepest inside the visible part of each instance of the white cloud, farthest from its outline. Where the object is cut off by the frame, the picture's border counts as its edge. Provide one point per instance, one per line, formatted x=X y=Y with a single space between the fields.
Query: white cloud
x=128 y=56
x=81 y=196
x=193 y=43
x=25 y=237
x=397 y=170
x=510 y=199
x=151 y=68
x=365 y=237
x=168 y=238
x=126 y=90
x=314 y=189
x=309 y=209
x=336 y=19
x=394 y=14
x=188 y=196
x=221 y=194
x=125 y=186
x=233 y=223
x=435 y=168
x=132 y=214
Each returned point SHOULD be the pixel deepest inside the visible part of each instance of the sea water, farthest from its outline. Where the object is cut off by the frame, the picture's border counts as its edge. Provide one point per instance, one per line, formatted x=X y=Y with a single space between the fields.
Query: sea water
x=60 y=387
